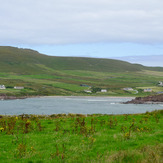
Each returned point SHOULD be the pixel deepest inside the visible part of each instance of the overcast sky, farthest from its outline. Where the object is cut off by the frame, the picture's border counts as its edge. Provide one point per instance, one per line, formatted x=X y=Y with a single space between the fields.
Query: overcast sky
x=90 y=28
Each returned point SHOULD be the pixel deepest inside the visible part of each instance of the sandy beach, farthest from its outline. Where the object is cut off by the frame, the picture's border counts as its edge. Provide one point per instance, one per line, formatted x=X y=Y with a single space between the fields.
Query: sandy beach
x=85 y=97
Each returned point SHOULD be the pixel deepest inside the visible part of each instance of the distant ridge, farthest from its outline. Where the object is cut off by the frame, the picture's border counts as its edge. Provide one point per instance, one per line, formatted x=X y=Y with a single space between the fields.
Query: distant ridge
x=146 y=60
x=27 y=61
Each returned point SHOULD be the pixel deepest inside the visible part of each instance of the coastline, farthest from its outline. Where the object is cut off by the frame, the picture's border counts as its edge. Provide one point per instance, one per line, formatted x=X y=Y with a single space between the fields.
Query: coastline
x=4 y=97
x=87 y=97
x=133 y=100
x=16 y=97
x=155 y=99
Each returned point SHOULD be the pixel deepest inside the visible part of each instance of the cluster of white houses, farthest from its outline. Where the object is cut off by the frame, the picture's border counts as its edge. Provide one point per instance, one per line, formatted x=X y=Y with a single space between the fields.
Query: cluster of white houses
x=89 y=91
x=16 y=87
x=102 y=90
x=131 y=89
x=125 y=89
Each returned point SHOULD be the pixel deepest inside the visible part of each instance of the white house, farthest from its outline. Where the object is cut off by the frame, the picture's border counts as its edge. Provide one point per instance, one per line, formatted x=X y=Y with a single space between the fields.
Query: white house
x=148 y=90
x=2 y=87
x=128 y=89
x=160 y=83
x=18 y=87
x=103 y=90
x=88 y=91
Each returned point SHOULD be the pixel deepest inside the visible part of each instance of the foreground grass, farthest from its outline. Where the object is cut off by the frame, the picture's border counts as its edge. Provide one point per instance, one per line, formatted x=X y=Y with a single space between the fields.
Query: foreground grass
x=77 y=138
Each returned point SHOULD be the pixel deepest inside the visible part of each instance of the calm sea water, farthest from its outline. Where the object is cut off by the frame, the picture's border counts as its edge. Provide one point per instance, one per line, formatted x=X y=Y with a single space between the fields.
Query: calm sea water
x=83 y=105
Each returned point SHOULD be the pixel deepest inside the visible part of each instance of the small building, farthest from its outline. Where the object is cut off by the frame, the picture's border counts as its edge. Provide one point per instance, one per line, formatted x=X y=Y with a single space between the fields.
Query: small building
x=87 y=91
x=136 y=91
x=18 y=87
x=159 y=92
x=148 y=90
x=84 y=85
x=103 y=90
x=2 y=87
x=128 y=89
x=160 y=83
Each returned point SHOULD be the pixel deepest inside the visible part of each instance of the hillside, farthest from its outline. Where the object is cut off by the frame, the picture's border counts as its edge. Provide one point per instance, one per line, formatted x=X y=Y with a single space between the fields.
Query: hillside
x=26 y=61
x=40 y=74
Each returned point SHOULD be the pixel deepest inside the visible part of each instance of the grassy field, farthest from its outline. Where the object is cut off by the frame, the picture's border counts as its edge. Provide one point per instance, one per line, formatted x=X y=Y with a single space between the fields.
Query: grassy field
x=68 y=83
x=80 y=138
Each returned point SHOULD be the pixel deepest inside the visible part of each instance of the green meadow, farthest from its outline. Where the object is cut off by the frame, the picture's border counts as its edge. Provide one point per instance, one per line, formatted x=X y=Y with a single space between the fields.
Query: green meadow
x=82 y=138
x=69 y=83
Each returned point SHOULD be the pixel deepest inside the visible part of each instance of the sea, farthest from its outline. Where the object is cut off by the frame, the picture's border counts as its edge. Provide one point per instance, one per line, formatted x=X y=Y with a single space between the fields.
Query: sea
x=72 y=104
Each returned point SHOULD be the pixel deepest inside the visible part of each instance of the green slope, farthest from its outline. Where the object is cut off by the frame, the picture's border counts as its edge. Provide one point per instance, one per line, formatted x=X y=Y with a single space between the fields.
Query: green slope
x=48 y=75
x=26 y=61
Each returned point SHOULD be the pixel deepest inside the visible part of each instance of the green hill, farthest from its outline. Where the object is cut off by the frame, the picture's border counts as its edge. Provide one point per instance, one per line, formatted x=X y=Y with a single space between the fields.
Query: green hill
x=48 y=75
x=26 y=61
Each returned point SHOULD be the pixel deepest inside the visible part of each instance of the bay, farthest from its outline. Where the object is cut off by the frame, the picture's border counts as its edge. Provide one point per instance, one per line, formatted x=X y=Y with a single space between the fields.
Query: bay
x=81 y=105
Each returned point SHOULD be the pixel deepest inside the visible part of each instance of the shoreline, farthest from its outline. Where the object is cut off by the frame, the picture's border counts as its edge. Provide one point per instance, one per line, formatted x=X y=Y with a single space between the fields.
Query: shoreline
x=86 y=96
x=155 y=99
x=25 y=97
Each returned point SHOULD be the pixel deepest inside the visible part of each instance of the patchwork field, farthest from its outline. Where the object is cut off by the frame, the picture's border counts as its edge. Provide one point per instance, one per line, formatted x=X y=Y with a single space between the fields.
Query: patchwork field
x=69 y=83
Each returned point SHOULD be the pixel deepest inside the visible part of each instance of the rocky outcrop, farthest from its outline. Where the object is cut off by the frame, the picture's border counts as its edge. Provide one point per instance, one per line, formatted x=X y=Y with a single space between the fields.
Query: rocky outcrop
x=5 y=97
x=146 y=100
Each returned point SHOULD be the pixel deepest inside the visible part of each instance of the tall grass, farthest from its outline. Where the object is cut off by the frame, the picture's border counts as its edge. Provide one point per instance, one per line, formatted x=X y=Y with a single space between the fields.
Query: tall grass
x=82 y=138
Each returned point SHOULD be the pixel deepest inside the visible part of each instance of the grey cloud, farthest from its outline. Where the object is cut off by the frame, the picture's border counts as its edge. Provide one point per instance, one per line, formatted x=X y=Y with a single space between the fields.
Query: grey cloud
x=80 y=21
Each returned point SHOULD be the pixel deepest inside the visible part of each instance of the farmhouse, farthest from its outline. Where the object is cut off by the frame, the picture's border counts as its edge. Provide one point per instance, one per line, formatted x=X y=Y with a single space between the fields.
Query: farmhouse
x=2 y=87
x=160 y=83
x=88 y=91
x=148 y=90
x=128 y=89
x=103 y=90
x=18 y=87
